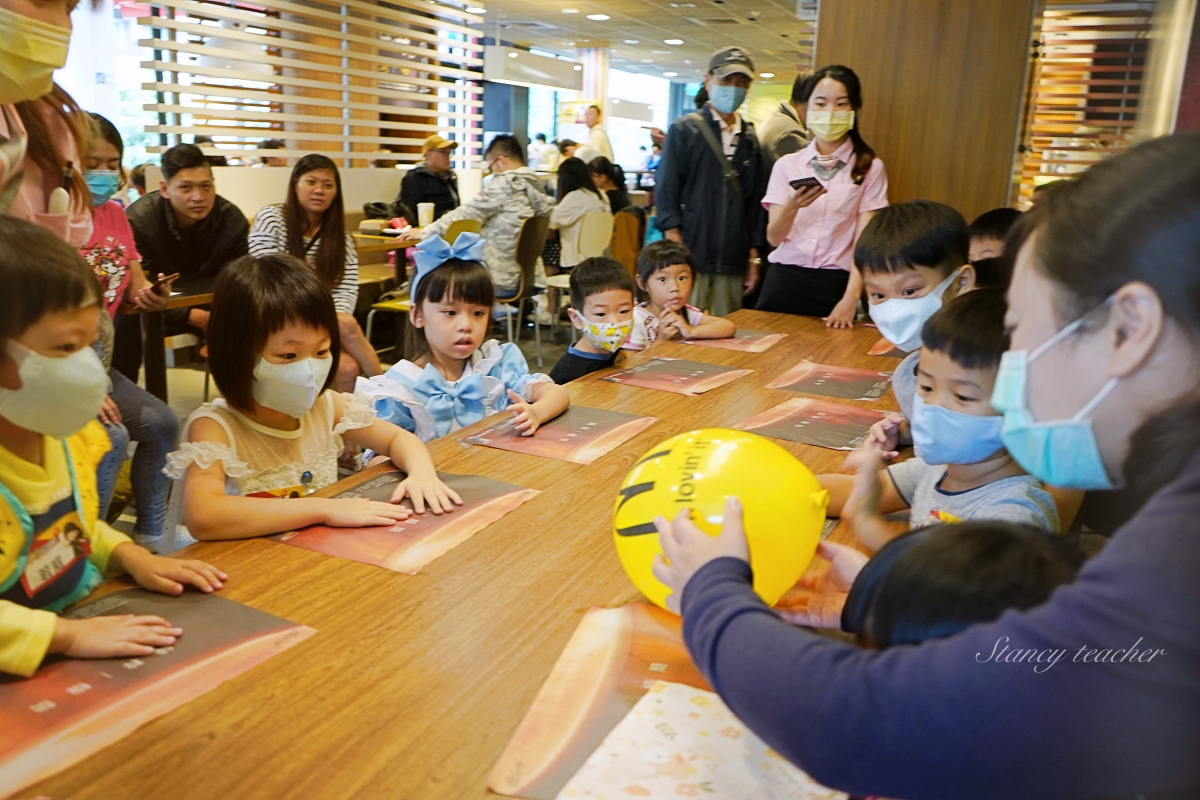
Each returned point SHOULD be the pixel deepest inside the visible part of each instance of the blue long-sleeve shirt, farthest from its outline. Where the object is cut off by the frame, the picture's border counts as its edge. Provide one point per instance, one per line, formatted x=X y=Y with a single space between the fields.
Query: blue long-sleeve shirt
x=957 y=717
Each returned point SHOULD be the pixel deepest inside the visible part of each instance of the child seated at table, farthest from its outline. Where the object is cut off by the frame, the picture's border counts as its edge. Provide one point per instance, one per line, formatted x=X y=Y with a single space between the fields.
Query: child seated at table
x=252 y=457
x=602 y=310
x=961 y=470
x=988 y=231
x=458 y=378
x=53 y=547
x=665 y=271
x=939 y=580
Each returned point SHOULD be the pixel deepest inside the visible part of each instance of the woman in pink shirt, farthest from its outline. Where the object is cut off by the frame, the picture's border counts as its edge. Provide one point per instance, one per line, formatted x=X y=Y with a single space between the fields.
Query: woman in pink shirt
x=818 y=200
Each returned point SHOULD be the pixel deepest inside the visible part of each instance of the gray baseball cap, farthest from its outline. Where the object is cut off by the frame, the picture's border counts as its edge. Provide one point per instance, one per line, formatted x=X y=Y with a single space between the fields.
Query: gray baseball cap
x=729 y=60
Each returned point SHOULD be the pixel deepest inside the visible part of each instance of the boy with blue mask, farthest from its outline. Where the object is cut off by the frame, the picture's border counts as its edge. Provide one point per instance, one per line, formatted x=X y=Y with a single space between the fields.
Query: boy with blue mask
x=602 y=310
x=961 y=470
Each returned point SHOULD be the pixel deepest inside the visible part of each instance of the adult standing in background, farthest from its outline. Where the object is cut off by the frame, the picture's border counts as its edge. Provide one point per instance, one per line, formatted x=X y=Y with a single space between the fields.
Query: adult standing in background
x=311 y=225
x=432 y=181
x=597 y=136
x=184 y=227
x=819 y=200
x=710 y=185
x=783 y=130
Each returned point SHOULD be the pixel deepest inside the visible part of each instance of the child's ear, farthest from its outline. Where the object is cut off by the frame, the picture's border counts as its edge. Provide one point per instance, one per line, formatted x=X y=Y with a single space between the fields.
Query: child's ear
x=966 y=279
x=640 y=283
x=415 y=317
x=576 y=320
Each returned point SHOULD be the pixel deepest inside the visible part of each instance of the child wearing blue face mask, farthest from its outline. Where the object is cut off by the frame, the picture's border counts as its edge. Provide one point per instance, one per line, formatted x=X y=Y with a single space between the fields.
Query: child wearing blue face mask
x=961 y=470
x=278 y=430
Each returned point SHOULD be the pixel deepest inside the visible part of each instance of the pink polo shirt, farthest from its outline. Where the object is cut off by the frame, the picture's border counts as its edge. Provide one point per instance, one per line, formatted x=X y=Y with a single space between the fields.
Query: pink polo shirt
x=822 y=235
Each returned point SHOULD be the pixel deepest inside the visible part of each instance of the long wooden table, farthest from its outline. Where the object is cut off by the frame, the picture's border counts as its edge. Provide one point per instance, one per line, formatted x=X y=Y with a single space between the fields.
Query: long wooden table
x=413 y=684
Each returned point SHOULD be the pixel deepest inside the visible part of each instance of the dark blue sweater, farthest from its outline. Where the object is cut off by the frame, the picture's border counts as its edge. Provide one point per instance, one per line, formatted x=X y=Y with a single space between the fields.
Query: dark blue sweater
x=955 y=717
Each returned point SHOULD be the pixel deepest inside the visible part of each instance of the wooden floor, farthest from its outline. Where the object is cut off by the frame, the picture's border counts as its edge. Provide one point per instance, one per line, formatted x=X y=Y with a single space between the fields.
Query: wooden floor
x=413 y=684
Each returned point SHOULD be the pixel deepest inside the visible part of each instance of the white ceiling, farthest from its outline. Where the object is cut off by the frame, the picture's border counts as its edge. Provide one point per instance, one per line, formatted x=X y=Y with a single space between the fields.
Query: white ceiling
x=777 y=38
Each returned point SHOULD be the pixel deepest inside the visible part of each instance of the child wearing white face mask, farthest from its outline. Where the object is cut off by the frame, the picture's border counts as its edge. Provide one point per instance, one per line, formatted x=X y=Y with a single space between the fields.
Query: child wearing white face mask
x=278 y=431
x=602 y=310
x=54 y=548
x=961 y=470
x=913 y=258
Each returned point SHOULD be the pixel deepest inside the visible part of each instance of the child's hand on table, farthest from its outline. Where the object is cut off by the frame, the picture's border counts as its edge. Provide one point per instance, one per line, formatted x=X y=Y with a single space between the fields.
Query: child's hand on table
x=427 y=490
x=112 y=637
x=820 y=606
x=525 y=419
x=688 y=548
x=166 y=575
x=358 y=512
x=886 y=434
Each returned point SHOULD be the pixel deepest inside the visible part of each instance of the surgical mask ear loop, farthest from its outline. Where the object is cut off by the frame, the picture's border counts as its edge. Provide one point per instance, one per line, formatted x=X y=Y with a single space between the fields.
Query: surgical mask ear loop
x=1065 y=332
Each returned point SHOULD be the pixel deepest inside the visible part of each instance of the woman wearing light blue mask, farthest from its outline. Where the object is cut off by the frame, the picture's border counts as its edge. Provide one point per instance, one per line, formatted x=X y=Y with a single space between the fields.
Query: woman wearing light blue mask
x=1095 y=693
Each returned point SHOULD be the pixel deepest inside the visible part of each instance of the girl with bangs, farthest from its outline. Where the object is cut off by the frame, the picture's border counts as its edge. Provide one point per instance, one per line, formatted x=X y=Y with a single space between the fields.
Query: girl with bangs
x=277 y=433
x=458 y=378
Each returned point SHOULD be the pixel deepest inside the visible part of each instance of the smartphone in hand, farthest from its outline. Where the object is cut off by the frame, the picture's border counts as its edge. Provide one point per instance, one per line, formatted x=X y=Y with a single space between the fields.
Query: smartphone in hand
x=804 y=183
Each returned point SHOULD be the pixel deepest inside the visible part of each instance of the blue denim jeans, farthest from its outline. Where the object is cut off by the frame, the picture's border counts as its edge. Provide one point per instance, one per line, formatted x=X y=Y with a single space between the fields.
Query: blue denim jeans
x=153 y=425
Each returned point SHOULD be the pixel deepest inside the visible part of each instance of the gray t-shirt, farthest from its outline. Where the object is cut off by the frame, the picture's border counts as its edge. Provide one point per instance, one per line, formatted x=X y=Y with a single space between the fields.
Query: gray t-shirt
x=904 y=382
x=1020 y=498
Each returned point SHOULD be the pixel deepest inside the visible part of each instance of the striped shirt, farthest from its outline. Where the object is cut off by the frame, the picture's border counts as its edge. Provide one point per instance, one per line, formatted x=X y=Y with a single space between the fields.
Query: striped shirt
x=268 y=235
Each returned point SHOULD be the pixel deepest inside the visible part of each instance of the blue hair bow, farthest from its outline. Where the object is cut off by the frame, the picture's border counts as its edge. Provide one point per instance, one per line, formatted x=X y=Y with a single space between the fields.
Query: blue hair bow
x=435 y=251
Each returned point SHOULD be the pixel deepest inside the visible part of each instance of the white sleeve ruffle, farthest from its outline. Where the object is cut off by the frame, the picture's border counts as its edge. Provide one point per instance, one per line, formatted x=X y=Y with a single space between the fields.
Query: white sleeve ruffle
x=204 y=455
x=359 y=413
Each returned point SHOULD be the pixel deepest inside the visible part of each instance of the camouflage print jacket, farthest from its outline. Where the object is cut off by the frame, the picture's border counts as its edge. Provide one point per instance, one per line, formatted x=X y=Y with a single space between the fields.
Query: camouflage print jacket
x=508 y=199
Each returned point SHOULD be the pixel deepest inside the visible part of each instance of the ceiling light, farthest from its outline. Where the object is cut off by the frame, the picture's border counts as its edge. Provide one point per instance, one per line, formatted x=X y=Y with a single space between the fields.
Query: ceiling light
x=577 y=68
x=616 y=101
x=631 y=41
x=766 y=74
x=476 y=10
x=670 y=74
x=512 y=55
x=647 y=60
x=598 y=17
x=672 y=41
x=570 y=10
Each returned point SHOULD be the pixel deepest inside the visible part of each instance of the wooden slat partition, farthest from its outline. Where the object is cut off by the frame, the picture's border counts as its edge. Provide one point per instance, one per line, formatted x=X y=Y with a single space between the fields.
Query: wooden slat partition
x=1086 y=85
x=356 y=80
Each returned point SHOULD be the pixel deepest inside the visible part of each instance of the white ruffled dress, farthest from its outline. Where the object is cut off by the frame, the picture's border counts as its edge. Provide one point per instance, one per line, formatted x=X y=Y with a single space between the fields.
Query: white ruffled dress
x=262 y=459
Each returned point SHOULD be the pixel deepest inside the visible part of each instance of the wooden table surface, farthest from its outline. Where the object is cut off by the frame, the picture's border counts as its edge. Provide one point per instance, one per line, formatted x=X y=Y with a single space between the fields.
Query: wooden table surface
x=413 y=684
x=371 y=243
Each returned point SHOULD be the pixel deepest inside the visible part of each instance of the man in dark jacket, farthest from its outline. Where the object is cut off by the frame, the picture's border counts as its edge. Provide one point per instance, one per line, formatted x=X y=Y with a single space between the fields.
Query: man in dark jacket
x=184 y=227
x=713 y=203
x=432 y=181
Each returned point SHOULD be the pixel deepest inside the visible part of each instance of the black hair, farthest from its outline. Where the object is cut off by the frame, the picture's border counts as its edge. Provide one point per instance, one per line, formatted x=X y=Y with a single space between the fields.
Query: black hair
x=253 y=298
x=596 y=107
x=41 y=274
x=602 y=166
x=213 y=161
x=970 y=329
x=994 y=224
x=660 y=255
x=330 y=259
x=863 y=152
x=940 y=580
x=919 y=233
x=701 y=98
x=103 y=128
x=1132 y=218
x=506 y=145
x=996 y=271
x=455 y=281
x=271 y=144
x=565 y=143
x=181 y=157
x=800 y=90
x=541 y=137
x=573 y=174
x=598 y=274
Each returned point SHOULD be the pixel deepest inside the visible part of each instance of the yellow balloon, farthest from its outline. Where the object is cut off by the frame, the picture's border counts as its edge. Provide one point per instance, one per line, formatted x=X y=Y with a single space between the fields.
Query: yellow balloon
x=784 y=505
